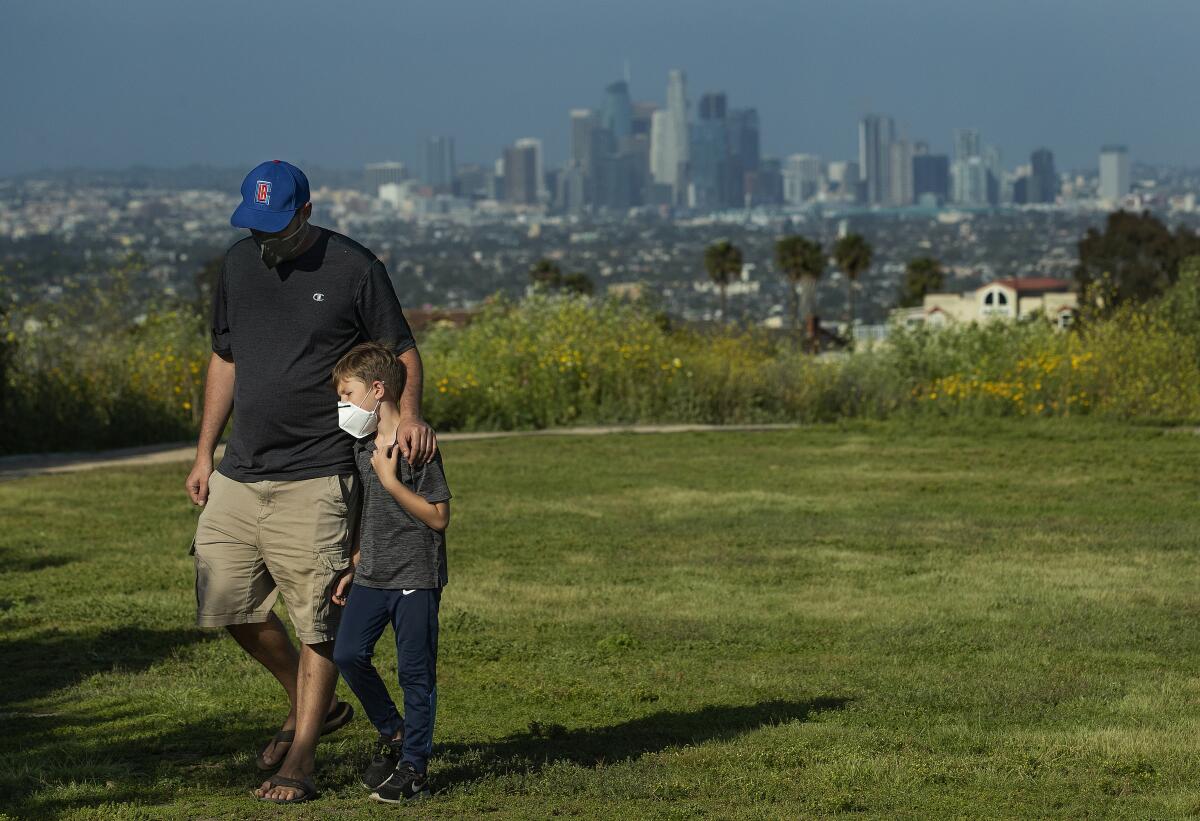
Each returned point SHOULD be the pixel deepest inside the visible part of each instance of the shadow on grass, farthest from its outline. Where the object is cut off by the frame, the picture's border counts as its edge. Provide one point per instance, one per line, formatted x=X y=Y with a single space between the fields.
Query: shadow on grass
x=28 y=561
x=215 y=756
x=543 y=745
x=52 y=661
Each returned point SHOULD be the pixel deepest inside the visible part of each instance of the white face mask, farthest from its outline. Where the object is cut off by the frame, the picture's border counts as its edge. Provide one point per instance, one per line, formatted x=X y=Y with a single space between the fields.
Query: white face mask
x=356 y=421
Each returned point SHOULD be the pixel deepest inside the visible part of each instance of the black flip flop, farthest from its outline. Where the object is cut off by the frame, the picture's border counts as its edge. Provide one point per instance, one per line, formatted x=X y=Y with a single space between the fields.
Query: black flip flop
x=337 y=718
x=308 y=790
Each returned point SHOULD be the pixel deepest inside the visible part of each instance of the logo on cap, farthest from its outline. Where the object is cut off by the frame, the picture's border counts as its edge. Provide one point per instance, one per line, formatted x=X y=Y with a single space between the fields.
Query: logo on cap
x=262 y=192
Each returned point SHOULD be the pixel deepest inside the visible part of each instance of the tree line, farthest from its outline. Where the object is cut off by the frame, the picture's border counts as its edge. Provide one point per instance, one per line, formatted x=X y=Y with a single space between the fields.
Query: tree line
x=1132 y=259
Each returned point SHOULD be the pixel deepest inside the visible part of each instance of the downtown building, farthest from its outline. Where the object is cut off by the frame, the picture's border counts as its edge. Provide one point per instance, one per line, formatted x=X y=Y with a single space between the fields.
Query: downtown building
x=440 y=168
x=1114 y=173
x=670 y=149
x=876 y=132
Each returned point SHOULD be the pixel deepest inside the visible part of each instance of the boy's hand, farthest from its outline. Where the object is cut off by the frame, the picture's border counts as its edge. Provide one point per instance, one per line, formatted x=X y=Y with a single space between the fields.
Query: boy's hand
x=386 y=462
x=342 y=589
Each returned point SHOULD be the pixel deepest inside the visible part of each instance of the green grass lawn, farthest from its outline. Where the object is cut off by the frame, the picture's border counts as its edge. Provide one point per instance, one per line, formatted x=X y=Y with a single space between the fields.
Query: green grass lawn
x=996 y=619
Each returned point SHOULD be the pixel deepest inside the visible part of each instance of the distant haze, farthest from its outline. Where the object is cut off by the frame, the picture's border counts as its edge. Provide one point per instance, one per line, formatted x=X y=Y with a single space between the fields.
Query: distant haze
x=340 y=84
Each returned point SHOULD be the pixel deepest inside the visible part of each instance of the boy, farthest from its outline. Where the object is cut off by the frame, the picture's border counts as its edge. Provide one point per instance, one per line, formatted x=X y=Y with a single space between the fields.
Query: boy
x=397 y=574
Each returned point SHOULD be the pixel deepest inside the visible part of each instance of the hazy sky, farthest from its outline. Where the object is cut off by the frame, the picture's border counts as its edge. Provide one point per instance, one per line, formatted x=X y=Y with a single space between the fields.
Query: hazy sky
x=163 y=82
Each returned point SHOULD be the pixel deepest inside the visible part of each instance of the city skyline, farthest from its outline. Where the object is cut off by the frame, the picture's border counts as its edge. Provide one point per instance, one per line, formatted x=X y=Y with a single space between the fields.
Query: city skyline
x=121 y=87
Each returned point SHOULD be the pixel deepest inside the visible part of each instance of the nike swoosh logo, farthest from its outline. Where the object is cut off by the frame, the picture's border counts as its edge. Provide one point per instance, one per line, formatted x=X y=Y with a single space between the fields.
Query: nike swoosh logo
x=407 y=592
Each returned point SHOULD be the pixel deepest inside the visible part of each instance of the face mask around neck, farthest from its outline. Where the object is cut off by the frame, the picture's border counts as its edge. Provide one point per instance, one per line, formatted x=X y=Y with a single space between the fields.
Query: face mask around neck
x=280 y=249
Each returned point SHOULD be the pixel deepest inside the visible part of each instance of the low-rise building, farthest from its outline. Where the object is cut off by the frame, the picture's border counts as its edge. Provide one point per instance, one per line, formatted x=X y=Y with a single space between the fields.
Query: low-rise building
x=1016 y=298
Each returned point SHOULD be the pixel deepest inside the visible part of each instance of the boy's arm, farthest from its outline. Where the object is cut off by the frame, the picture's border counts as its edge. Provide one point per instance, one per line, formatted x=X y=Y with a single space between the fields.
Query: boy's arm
x=434 y=514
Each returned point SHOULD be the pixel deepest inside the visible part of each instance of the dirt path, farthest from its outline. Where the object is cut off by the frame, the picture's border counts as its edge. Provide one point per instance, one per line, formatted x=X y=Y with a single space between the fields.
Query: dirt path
x=17 y=467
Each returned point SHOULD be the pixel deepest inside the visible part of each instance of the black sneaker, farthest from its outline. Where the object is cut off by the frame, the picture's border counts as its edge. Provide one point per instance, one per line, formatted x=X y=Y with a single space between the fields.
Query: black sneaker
x=387 y=756
x=404 y=784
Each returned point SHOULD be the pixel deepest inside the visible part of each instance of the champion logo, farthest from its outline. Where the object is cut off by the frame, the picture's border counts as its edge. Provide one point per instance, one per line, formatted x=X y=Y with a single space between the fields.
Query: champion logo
x=262 y=192
x=318 y=297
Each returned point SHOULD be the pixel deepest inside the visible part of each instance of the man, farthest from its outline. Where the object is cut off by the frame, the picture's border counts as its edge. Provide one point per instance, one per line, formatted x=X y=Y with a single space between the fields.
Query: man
x=281 y=508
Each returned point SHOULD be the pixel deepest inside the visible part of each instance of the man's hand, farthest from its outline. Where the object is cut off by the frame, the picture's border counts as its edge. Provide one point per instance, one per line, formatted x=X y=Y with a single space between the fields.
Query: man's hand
x=417 y=440
x=197 y=481
x=342 y=589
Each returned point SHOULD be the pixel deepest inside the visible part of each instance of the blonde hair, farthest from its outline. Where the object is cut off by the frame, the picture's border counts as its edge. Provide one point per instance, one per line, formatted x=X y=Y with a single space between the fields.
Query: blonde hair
x=371 y=362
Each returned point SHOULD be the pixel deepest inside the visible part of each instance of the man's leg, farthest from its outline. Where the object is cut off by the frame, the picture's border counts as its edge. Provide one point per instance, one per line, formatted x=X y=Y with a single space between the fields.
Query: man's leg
x=305 y=539
x=235 y=590
x=314 y=691
x=269 y=644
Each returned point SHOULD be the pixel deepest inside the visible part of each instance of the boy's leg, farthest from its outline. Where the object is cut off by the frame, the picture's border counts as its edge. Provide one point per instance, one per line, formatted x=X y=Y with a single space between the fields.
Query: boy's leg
x=363 y=622
x=415 y=621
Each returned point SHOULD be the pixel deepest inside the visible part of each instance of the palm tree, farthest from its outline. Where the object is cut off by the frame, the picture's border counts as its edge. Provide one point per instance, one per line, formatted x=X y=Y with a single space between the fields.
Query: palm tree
x=723 y=260
x=802 y=261
x=852 y=253
x=921 y=276
x=578 y=283
x=545 y=273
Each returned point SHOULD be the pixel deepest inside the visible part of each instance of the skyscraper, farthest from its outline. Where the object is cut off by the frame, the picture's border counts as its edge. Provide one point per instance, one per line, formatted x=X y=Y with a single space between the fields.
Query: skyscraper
x=931 y=177
x=967 y=144
x=744 y=143
x=669 y=141
x=662 y=157
x=900 y=173
x=969 y=171
x=616 y=112
x=439 y=162
x=583 y=122
x=1114 y=172
x=677 y=106
x=535 y=145
x=744 y=151
x=875 y=135
x=1042 y=185
x=521 y=172
x=970 y=181
x=995 y=173
x=376 y=174
x=801 y=178
x=843 y=178
x=643 y=113
x=710 y=167
x=765 y=185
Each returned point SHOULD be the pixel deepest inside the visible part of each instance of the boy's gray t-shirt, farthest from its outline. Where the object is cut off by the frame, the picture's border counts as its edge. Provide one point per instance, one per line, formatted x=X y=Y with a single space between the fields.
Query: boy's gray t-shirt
x=398 y=550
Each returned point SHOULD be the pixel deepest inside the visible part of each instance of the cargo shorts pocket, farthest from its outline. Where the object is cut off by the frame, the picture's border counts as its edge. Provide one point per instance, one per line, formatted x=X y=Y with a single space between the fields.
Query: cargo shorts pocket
x=332 y=562
x=339 y=493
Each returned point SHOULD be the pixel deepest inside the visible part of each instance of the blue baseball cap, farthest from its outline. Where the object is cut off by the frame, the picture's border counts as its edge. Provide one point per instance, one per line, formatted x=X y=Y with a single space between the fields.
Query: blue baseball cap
x=271 y=195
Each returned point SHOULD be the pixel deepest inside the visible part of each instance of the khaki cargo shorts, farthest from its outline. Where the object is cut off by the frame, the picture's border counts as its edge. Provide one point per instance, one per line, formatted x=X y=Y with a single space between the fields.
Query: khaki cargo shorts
x=255 y=540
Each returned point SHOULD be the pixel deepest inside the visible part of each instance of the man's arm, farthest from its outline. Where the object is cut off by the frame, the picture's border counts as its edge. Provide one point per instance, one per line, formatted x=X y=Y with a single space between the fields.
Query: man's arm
x=218 y=404
x=418 y=442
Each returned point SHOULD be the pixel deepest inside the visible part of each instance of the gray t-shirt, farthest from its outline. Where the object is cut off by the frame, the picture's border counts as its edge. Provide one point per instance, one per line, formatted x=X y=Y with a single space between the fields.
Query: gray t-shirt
x=398 y=550
x=285 y=328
